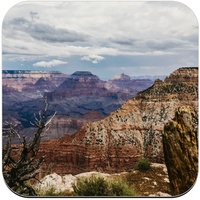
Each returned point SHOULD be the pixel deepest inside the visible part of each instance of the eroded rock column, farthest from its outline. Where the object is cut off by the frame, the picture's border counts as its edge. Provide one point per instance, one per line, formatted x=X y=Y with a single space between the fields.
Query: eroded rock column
x=180 y=145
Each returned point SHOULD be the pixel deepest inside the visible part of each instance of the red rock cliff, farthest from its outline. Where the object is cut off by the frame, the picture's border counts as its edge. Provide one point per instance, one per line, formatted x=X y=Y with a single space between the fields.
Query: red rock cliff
x=116 y=142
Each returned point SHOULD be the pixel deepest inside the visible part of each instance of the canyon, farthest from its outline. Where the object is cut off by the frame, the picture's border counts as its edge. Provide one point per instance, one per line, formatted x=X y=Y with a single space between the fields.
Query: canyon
x=78 y=99
x=134 y=130
x=31 y=81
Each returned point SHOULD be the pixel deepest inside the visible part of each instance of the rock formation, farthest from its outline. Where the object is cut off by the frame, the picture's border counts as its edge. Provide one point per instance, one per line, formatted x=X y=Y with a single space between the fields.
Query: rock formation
x=82 y=97
x=181 y=149
x=21 y=88
x=25 y=79
x=124 y=83
x=134 y=130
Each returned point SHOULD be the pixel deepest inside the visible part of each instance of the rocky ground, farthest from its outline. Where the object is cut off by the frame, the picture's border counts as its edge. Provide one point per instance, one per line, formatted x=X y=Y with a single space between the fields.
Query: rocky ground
x=153 y=182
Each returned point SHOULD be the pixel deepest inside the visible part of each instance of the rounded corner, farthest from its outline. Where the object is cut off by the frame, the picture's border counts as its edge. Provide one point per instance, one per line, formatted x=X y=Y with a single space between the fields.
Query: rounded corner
x=9 y=189
x=189 y=8
x=12 y=6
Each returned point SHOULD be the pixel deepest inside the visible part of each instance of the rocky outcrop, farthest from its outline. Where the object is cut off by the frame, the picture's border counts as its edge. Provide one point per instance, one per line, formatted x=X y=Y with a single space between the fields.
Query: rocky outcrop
x=134 y=130
x=25 y=79
x=146 y=183
x=124 y=83
x=82 y=97
x=62 y=125
x=83 y=83
x=83 y=92
x=181 y=149
x=21 y=90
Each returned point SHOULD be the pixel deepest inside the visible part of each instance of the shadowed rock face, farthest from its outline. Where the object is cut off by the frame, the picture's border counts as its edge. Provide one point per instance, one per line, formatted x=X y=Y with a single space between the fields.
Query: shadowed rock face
x=127 y=85
x=134 y=130
x=181 y=149
x=83 y=83
x=82 y=97
x=21 y=90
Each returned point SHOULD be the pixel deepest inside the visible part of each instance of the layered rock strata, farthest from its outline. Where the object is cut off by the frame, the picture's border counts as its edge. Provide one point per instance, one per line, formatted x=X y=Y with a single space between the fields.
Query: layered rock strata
x=81 y=97
x=124 y=83
x=26 y=80
x=134 y=130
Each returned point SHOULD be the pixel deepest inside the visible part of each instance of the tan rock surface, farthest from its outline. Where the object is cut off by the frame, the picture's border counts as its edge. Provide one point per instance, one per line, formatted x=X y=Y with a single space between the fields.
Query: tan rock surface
x=134 y=130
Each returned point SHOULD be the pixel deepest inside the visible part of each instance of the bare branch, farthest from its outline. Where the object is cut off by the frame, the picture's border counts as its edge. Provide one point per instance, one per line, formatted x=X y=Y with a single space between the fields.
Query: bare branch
x=22 y=165
x=32 y=123
x=36 y=119
x=49 y=121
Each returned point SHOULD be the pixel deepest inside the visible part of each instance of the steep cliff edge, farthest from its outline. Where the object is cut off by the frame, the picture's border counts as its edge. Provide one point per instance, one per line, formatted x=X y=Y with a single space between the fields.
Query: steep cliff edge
x=181 y=149
x=25 y=80
x=81 y=97
x=134 y=130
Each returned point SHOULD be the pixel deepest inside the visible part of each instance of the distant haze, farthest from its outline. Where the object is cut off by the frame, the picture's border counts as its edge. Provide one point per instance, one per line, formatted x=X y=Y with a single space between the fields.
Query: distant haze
x=105 y=38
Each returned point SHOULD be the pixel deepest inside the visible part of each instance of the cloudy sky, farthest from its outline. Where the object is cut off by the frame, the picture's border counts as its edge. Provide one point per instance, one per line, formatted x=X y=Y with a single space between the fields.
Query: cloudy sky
x=106 y=38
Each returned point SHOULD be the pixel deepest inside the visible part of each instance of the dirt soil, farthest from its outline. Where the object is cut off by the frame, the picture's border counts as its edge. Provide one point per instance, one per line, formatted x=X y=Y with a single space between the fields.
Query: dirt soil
x=153 y=182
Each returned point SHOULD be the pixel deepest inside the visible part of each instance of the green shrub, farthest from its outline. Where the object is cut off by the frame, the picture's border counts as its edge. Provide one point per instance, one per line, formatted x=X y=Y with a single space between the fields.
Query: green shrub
x=121 y=188
x=51 y=191
x=98 y=186
x=93 y=186
x=143 y=164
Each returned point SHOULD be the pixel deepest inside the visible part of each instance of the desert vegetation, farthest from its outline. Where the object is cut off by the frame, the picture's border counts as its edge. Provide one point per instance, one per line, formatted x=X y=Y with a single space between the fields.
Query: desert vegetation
x=95 y=185
x=144 y=164
x=99 y=186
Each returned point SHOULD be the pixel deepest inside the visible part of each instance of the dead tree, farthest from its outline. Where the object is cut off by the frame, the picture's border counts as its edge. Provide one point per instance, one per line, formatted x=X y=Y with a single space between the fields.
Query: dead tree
x=19 y=161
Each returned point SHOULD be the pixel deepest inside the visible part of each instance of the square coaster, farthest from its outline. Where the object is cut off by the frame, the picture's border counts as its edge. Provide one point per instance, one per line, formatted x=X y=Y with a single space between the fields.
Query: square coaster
x=100 y=99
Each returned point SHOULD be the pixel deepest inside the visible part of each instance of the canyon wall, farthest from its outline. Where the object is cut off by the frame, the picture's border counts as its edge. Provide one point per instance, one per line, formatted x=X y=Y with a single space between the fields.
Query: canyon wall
x=78 y=98
x=26 y=80
x=134 y=130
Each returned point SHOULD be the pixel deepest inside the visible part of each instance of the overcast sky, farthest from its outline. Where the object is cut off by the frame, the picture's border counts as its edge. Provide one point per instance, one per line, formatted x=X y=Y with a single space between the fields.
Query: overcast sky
x=106 y=38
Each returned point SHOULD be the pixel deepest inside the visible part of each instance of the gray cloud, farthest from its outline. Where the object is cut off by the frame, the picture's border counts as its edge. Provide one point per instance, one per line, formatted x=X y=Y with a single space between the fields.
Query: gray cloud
x=18 y=23
x=192 y=38
x=50 y=34
x=34 y=15
x=166 y=44
x=122 y=33
x=46 y=32
x=123 y=41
